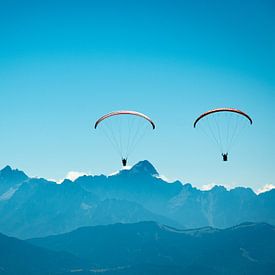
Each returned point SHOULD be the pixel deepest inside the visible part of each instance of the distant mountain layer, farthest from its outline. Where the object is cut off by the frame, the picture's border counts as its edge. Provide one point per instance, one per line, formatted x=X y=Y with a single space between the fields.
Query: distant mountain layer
x=36 y=207
x=150 y=248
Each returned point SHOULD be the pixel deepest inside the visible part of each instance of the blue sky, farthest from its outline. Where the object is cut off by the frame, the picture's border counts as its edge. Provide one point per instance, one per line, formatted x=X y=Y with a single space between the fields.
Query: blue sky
x=65 y=63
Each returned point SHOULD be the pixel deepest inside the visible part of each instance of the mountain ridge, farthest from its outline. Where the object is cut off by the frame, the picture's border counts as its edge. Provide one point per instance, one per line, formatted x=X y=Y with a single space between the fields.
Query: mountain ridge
x=20 y=257
x=36 y=207
x=235 y=250
x=142 y=167
x=144 y=248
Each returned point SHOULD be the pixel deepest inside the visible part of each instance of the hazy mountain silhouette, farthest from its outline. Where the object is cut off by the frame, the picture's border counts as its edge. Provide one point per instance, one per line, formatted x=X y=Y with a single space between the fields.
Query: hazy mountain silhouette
x=147 y=246
x=19 y=257
x=37 y=207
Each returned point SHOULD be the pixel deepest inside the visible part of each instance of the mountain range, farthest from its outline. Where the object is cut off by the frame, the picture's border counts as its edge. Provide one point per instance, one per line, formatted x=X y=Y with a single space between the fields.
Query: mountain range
x=144 y=248
x=36 y=207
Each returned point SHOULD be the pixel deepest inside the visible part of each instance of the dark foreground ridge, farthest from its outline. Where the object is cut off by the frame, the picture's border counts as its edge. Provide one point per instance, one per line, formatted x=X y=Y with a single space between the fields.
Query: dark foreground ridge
x=31 y=207
x=150 y=248
x=144 y=248
x=20 y=257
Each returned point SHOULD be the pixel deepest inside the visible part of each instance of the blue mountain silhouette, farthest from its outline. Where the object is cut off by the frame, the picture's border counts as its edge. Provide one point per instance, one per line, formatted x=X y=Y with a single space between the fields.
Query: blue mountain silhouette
x=150 y=248
x=144 y=248
x=20 y=257
x=31 y=207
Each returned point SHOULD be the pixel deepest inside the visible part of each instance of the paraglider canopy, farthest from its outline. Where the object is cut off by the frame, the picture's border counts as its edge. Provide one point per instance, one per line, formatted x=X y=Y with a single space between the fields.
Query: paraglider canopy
x=124 y=130
x=117 y=113
x=222 y=110
x=223 y=125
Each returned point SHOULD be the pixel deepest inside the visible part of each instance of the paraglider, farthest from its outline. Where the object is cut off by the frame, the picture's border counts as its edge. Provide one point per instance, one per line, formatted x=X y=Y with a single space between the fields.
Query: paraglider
x=223 y=125
x=124 y=130
x=225 y=156
x=124 y=162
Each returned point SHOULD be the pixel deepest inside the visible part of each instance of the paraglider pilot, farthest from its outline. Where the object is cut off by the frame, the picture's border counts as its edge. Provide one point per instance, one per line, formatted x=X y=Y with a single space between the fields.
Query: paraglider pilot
x=124 y=162
x=225 y=157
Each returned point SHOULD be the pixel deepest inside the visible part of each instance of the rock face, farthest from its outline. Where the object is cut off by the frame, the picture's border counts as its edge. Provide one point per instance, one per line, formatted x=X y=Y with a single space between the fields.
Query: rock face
x=10 y=180
x=37 y=207
x=149 y=247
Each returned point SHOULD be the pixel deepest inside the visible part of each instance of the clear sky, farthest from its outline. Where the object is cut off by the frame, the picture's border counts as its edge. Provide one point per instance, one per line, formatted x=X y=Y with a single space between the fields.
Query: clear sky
x=65 y=63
